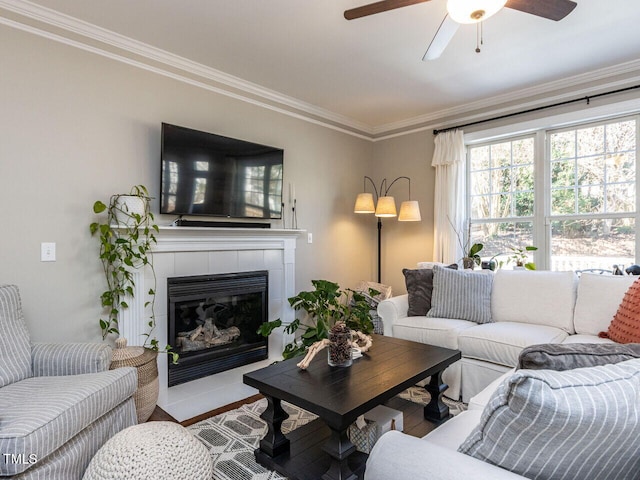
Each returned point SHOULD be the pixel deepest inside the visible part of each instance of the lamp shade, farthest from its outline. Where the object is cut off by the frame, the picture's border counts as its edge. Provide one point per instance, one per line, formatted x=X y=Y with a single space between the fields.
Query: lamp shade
x=409 y=212
x=364 y=203
x=473 y=11
x=386 y=207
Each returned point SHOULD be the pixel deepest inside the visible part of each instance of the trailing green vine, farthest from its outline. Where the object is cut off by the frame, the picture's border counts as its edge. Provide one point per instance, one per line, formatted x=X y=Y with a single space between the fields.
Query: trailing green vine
x=127 y=237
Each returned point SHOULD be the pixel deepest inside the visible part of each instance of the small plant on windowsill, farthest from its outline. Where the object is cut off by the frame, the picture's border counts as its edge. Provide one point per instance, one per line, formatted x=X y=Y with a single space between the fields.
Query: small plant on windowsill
x=520 y=257
x=127 y=236
x=471 y=252
x=326 y=305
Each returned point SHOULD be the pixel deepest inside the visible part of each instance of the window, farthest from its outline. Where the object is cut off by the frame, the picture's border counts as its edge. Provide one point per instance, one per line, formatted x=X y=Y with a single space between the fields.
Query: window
x=593 y=196
x=502 y=194
x=575 y=200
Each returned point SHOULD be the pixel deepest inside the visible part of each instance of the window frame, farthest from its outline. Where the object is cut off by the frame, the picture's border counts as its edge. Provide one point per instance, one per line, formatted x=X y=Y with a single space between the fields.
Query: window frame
x=542 y=218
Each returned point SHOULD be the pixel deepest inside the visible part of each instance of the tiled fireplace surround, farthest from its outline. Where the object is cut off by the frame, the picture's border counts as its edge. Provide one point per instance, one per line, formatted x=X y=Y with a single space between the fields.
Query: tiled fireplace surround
x=183 y=251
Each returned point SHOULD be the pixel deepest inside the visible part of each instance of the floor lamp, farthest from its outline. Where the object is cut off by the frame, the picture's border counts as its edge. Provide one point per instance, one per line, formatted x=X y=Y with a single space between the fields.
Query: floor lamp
x=383 y=205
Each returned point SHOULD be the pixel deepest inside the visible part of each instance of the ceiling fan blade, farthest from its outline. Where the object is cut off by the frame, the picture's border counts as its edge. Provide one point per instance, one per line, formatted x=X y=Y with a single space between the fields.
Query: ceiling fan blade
x=379 y=7
x=443 y=36
x=551 y=9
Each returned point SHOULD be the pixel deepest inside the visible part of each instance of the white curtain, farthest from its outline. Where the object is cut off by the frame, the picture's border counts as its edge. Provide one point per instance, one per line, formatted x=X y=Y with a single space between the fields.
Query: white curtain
x=449 y=198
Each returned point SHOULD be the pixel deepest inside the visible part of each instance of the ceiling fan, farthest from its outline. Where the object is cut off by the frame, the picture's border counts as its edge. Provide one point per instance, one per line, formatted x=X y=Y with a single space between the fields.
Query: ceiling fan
x=465 y=12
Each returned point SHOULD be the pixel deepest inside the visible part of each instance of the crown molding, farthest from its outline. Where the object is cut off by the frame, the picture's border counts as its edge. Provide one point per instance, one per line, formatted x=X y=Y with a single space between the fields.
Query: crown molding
x=90 y=37
x=601 y=79
x=139 y=49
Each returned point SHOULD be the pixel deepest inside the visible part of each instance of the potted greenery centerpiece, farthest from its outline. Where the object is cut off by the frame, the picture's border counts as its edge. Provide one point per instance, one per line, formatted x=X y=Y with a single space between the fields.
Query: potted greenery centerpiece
x=127 y=236
x=326 y=306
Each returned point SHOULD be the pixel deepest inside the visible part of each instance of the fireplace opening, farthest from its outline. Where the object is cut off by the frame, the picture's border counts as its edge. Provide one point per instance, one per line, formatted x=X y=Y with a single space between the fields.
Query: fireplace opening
x=213 y=321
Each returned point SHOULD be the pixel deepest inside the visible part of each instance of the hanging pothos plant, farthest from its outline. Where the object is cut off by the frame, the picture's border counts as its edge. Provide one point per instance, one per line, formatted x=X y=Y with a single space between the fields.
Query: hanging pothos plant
x=127 y=236
x=325 y=306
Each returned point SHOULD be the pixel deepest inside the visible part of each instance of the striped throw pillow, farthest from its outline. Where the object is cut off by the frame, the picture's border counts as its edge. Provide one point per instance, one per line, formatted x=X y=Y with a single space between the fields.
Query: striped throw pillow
x=574 y=425
x=461 y=294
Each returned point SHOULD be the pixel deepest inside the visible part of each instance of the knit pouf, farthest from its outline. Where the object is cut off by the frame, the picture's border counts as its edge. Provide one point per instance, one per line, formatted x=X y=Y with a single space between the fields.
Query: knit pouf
x=153 y=451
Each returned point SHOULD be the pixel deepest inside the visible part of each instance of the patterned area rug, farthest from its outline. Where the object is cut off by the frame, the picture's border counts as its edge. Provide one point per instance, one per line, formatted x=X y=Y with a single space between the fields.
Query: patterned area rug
x=232 y=437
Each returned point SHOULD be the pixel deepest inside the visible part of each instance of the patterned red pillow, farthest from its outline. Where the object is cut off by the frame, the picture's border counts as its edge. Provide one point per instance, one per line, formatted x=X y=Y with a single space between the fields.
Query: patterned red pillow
x=625 y=326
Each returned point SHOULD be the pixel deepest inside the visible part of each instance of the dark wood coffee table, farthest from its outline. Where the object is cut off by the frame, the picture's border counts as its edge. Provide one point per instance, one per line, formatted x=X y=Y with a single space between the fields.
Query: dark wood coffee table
x=338 y=396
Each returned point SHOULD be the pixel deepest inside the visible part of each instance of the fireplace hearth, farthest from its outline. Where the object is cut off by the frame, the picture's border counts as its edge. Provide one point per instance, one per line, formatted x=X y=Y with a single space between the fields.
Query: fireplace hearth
x=213 y=320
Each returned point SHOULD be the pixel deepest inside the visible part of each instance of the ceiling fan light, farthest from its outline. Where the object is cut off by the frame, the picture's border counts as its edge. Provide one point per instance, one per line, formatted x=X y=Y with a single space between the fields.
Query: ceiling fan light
x=473 y=11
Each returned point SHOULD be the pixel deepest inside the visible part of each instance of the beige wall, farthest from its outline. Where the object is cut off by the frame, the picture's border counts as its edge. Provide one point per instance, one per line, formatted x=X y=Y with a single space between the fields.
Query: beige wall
x=77 y=127
x=405 y=243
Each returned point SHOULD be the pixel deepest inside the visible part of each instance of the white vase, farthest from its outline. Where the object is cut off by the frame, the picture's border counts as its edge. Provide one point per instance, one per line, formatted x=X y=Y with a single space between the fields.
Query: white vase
x=131 y=204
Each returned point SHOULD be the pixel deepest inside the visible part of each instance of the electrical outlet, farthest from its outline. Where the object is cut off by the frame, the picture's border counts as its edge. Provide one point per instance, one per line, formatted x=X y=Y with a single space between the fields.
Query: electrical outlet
x=48 y=252
x=309 y=237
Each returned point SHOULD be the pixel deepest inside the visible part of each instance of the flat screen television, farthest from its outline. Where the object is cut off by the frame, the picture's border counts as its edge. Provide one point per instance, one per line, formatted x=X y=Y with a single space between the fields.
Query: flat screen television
x=212 y=175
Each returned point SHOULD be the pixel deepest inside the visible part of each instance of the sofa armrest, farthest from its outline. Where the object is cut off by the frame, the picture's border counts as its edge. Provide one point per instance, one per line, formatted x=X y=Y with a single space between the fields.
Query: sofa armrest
x=49 y=359
x=392 y=309
x=397 y=455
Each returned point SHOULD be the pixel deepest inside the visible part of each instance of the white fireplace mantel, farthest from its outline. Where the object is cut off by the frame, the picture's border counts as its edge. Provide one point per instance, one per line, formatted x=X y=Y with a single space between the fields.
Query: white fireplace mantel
x=185 y=251
x=133 y=323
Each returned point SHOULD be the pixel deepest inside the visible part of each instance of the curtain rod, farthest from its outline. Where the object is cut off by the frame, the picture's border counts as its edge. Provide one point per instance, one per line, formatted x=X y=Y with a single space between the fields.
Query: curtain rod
x=537 y=109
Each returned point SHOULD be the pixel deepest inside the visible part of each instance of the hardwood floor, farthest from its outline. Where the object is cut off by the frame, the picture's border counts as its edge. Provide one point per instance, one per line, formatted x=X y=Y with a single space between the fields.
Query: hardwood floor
x=159 y=415
x=413 y=415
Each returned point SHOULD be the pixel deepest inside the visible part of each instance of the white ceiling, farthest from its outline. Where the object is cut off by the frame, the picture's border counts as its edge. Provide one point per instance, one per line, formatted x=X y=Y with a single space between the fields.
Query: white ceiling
x=370 y=69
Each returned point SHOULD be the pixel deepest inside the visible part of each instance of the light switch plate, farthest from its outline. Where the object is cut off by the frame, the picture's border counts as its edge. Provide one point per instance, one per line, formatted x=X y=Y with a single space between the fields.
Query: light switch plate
x=47 y=252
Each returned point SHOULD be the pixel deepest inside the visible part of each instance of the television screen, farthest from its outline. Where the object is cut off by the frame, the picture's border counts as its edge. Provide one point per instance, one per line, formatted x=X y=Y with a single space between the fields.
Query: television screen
x=207 y=174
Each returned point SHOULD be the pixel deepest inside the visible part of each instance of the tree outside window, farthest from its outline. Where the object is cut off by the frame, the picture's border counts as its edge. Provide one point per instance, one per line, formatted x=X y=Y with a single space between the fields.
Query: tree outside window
x=589 y=213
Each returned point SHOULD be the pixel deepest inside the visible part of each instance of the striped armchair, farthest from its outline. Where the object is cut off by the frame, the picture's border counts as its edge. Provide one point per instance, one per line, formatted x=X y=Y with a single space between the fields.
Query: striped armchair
x=58 y=403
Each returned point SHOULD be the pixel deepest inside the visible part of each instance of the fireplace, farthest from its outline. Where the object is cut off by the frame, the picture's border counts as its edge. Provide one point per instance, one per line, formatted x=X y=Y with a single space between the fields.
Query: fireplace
x=212 y=322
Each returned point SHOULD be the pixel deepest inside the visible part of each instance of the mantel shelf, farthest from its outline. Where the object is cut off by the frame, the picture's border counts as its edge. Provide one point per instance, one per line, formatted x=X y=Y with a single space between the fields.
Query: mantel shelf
x=231 y=232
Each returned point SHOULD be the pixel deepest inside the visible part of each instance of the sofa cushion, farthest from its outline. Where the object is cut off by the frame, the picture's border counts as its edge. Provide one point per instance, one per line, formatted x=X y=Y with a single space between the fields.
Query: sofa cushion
x=599 y=297
x=434 y=331
x=40 y=414
x=462 y=295
x=577 y=338
x=559 y=356
x=534 y=297
x=576 y=424
x=625 y=326
x=481 y=399
x=15 y=347
x=502 y=342
x=419 y=283
x=452 y=433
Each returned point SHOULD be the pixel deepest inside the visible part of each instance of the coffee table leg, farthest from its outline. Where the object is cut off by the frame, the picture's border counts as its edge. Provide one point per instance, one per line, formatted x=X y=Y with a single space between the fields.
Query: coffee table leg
x=339 y=447
x=436 y=410
x=274 y=442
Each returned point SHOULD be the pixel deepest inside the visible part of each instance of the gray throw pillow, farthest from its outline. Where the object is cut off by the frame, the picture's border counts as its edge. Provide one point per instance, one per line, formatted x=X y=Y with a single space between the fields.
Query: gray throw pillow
x=558 y=356
x=461 y=294
x=419 y=283
x=578 y=424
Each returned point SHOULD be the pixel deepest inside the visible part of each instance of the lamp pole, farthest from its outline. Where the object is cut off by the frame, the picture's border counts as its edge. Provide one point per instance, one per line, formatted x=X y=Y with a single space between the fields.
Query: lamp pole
x=379 y=250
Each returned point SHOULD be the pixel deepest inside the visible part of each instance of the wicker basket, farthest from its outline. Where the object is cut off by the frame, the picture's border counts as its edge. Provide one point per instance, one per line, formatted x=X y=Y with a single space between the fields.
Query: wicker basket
x=145 y=361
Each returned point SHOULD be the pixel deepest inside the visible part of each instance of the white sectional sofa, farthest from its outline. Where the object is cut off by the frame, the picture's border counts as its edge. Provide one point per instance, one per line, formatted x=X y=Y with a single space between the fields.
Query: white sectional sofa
x=527 y=308
x=529 y=424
